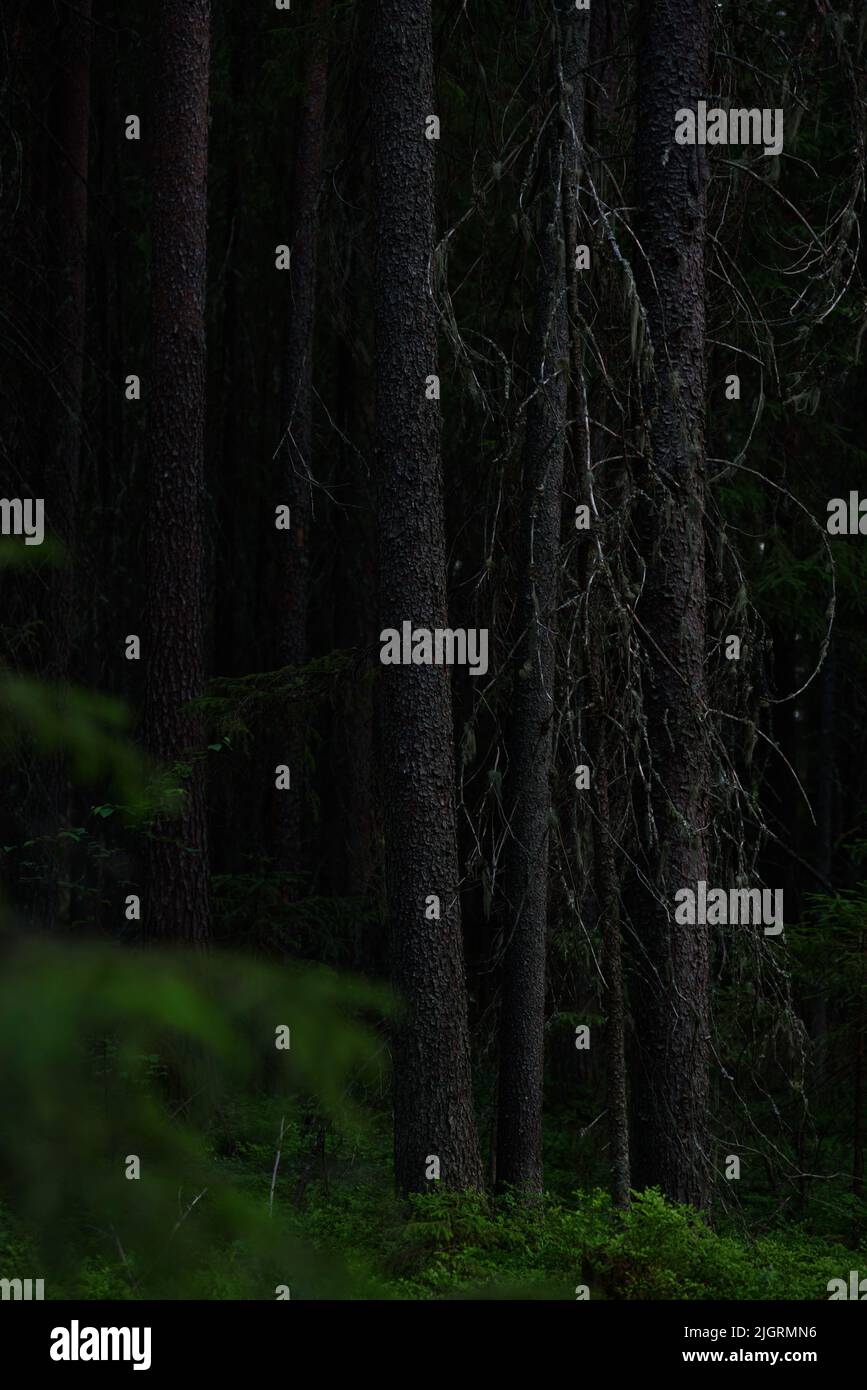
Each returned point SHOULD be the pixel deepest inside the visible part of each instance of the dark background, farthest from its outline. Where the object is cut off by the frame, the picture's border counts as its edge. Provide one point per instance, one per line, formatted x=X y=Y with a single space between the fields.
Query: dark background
x=303 y=387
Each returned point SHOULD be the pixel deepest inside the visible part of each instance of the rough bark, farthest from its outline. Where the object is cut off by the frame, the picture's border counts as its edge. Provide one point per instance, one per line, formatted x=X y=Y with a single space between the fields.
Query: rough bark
x=671 y=1092
x=529 y=736
x=433 y=1109
x=175 y=903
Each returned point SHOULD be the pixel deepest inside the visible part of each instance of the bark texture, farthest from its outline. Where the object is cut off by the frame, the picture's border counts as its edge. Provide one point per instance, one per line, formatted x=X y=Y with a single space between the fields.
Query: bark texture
x=671 y=1091
x=433 y=1108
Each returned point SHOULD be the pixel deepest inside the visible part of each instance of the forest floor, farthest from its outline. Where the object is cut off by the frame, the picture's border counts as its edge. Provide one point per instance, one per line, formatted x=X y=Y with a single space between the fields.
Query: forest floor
x=343 y=1234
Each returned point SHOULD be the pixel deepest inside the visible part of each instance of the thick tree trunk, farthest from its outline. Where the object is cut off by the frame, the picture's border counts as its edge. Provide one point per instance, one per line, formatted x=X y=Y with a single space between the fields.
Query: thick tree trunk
x=175 y=901
x=529 y=737
x=671 y=1093
x=433 y=1107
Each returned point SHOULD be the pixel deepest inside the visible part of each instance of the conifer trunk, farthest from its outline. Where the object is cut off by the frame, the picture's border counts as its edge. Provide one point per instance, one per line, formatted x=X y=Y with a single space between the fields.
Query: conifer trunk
x=529 y=736
x=433 y=1106
x=671 y=1090
x=175 y=902
x=296 y=449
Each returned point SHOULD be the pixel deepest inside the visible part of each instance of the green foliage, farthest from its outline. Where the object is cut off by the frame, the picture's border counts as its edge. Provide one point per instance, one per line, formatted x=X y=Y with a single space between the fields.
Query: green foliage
x=265 y=909
x=663 y=1251
x=446 y=1244
x=234 y=704
x=14 y=554
x=830 y=947
x=110 y=1054
x=114 y=1053
x=88 y=728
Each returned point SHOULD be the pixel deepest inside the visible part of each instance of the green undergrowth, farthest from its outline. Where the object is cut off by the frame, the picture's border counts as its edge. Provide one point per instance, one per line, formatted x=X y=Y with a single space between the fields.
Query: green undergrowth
x=160 y=1143
x=335 y=1230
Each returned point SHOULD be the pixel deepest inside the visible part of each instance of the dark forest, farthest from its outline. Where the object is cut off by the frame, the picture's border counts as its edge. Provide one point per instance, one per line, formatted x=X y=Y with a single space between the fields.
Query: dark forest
x=433 y=814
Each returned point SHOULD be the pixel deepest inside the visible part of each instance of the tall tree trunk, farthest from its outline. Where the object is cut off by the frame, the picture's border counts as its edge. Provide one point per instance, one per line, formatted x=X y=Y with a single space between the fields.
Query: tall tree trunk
x=235 y=800
x=176 y=902
x=354 y=579
x=433 y=1107
x=858 y=1106
x=607 y=884
x=235 y=566
x=529 y=738
x=69 y=245
x=671 y=1141
x=296 y=448
x=590 y=445
x=66 y=235
x=826 y=776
